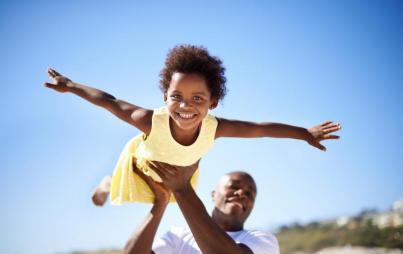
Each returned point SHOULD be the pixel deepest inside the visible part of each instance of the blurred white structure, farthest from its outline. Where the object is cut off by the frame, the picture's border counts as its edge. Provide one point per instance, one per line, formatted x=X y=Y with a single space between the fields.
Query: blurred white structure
x=398 y=206
x=392 y=218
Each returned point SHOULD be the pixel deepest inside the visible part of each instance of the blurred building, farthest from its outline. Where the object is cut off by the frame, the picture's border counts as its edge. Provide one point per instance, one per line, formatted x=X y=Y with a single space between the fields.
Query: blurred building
x=391 y=218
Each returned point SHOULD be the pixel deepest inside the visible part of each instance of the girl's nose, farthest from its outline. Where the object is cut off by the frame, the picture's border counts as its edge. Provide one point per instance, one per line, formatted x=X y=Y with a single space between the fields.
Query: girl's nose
x=184 y=104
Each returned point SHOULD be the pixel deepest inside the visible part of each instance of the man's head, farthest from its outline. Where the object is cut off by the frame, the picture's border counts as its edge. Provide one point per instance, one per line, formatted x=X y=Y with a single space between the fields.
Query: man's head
x=233 y=197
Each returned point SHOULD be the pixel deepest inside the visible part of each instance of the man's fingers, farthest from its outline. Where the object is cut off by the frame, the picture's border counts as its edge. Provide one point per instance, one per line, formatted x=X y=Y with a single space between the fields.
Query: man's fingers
x=140 y=173
x=166 y=167
x=160 y=173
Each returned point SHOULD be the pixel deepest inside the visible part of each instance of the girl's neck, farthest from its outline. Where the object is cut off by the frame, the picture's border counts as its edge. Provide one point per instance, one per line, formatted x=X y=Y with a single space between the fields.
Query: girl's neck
x=184 y=137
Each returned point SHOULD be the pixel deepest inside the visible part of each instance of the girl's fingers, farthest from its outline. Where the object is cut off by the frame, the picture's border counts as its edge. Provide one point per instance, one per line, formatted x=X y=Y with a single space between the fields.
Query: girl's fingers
x=52 y=73
x=331 y=129
x=321 y=147
x=49 y=85
x=331 y=125
x=317 y=145
x=331 y=136
x=326 y=123
x=56 y=73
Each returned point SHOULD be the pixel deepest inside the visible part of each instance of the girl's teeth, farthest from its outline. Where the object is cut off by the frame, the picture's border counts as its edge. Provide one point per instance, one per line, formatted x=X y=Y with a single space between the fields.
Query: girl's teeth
x=187 y=116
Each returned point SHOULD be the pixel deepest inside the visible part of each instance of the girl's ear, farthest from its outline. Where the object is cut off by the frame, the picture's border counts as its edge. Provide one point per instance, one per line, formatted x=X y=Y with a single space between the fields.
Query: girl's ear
x=213 y=104
x=165 y=96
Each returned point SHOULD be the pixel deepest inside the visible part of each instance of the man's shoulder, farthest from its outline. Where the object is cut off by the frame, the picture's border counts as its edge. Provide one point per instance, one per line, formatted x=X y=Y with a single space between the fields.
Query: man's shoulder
x=259 y=241
x=259 y=233
x=180 y=232
x=252 y=234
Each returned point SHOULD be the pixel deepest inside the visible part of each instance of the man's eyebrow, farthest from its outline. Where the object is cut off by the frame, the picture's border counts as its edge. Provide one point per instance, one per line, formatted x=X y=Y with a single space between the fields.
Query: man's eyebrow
x=250 y=186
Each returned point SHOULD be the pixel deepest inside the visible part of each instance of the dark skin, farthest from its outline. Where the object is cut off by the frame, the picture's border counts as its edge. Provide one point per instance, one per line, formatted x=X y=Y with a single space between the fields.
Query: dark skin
x=234 y=198
x=141 y=240
x=188 y=100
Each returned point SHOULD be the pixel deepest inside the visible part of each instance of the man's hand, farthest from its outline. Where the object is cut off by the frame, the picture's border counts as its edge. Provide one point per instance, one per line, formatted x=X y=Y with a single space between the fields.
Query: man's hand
x=60 y=83
x=161 y=193
x=175 y=178
x=322 y=132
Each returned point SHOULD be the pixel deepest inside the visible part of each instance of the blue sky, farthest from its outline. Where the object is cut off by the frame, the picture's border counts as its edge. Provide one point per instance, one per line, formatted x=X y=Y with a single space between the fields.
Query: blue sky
x=297 y=62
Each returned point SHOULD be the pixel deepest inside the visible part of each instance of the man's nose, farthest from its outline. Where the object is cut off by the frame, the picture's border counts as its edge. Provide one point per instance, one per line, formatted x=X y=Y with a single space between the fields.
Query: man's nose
x=241 y=193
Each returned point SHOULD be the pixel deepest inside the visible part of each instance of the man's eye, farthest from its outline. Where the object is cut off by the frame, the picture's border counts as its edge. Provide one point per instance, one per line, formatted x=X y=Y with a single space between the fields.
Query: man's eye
x=250 y=195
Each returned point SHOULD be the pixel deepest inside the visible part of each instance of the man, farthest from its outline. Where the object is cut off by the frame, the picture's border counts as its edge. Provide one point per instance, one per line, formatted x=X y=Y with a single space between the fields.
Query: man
x=222 y=232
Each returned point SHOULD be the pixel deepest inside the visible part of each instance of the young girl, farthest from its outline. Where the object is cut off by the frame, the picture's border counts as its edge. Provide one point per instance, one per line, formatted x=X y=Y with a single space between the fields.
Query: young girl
x=181 y=132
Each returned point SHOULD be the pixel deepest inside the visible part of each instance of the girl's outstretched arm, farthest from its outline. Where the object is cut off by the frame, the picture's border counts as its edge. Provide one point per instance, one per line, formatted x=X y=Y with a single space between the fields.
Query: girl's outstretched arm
x=130 y=113
x=244 y=129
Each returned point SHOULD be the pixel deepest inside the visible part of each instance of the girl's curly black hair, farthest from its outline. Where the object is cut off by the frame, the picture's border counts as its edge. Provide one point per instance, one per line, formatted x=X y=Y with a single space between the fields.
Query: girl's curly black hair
x=195 y=59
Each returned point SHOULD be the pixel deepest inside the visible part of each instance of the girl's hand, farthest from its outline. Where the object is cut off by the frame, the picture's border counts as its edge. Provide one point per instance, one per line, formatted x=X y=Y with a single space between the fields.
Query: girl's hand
x=322 y=132
x=175 y=178
x=161 y=193
x=60 y=83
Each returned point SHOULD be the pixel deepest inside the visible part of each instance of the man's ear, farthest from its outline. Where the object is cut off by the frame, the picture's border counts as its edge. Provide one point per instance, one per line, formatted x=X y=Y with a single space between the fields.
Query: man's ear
x=213 y=195
x=165 y=96
x=213 y=104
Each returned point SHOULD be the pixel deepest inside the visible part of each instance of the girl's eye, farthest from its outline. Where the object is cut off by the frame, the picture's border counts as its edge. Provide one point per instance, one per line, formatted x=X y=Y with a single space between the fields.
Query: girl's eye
x=197 y=98
x=176 y=97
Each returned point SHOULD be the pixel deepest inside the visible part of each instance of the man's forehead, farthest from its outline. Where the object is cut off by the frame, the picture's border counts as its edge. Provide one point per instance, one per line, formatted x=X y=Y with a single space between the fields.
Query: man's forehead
x=238 y=177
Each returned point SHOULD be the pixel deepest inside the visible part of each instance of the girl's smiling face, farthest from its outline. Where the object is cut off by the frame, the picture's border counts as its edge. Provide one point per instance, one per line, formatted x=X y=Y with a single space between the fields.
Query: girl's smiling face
x=188 y=100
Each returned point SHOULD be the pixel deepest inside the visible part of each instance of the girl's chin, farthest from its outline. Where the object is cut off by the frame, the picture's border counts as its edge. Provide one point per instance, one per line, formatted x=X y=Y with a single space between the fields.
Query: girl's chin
x=187 y=127
x=186 y=124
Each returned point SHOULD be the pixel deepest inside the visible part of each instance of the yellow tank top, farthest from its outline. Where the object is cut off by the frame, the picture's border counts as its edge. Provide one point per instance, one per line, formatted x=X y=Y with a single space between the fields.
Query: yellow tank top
x=159 y=145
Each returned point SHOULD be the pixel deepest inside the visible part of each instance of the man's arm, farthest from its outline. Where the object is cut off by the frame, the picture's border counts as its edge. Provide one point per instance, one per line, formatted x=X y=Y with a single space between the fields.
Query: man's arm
x=130 y=113
x=140 y=242
x=208 y=235
x=244 y=129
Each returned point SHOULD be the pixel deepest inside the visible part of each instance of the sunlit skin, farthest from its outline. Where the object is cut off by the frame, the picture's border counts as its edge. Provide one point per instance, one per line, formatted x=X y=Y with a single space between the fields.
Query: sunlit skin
x=233 y=197
x=188 y=101
x=183 y=96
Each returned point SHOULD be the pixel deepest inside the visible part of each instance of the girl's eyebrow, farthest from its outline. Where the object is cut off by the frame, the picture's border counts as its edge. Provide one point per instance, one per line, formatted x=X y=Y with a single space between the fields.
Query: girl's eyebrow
x=195 y=93
x=200 y=93
x=176 y=91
